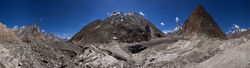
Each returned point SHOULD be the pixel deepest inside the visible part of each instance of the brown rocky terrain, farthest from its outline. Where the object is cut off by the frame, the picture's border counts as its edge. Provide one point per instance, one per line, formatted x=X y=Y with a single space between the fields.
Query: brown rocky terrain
x=7 y=33
x=29 y=33
x=201 y=23
x=33 y=32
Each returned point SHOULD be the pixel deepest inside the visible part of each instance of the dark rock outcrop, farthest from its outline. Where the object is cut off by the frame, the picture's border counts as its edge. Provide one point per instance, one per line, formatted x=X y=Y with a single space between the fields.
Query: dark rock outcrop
x=201 y=23
x=136 y=48
x=130 y=27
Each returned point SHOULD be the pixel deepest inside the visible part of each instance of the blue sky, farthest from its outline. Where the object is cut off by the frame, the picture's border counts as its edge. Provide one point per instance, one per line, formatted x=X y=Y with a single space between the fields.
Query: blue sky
x=67 y=17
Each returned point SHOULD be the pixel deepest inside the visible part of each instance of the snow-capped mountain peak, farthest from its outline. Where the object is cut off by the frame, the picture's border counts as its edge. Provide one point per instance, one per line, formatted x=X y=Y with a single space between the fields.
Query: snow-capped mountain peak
x=238 y=29
x=116 y=13
x=179 y=27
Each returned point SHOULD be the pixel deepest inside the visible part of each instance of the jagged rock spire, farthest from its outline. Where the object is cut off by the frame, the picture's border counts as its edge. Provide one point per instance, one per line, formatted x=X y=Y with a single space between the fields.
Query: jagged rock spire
x=201 y=23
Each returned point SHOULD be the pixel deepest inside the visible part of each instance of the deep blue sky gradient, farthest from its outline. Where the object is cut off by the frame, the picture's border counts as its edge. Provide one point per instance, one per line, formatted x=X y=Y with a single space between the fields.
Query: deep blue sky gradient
x=69 y=16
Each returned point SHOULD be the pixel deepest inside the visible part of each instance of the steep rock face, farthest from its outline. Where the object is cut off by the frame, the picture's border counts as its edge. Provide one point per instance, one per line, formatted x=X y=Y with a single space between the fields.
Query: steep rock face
x=201 y=23
x=7 y=33
x=30 y=33
x=130 y=27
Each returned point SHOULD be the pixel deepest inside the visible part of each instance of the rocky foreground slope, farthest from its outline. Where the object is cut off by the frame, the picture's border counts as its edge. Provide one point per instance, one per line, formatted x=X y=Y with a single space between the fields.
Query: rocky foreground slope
x=207 y=51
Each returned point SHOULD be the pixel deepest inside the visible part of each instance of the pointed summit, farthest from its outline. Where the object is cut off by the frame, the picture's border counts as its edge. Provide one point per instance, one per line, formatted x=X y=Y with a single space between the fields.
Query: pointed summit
x=30 y=33
x=115 y=13
x=200 y=12
x=200 y=23
x=200 y=7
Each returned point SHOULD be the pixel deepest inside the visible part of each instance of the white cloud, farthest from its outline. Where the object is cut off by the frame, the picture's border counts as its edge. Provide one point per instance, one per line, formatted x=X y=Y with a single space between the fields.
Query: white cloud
x=162 y=23
x=141 y=13
x=15 y=27
x=166 y=31
x=177 y=19
x=43 y=30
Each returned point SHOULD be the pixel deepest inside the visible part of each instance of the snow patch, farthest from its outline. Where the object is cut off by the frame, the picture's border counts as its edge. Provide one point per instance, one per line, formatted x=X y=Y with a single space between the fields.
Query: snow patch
x=15 y=28
x=116 y=13
x=236 y=26
x=178 y=28
x=141 y=13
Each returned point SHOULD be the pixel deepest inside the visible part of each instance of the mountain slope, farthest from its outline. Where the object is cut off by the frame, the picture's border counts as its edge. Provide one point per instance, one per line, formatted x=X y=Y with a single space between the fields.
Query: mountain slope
x=7 y=33
x=201 y=23
x=33 y=32
x=130 y=27
x=29 y=33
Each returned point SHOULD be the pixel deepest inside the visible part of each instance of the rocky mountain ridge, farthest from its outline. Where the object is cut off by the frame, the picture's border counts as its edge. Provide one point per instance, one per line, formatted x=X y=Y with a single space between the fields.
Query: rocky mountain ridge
x=130 y=27
x=7 y=33
x=33 y=32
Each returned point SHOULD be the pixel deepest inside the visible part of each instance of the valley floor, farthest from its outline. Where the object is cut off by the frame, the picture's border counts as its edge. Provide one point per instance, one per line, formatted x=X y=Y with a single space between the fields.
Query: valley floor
x=159 y=53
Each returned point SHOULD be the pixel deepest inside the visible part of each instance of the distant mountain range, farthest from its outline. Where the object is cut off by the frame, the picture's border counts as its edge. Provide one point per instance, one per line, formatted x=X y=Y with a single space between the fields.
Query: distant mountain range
x=238 y=32
x=33 y=32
